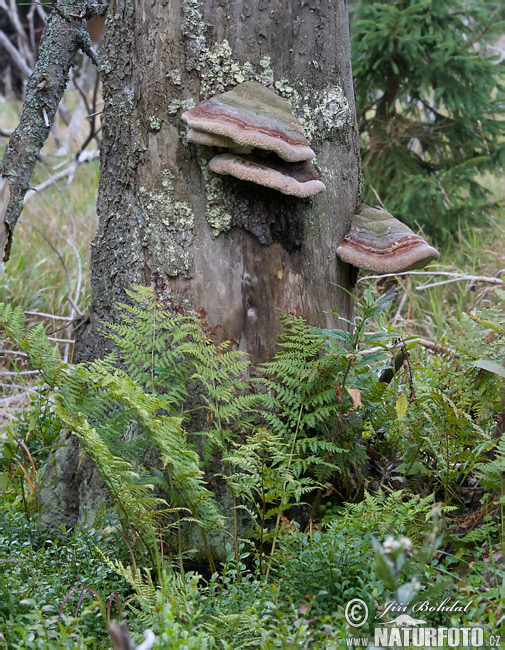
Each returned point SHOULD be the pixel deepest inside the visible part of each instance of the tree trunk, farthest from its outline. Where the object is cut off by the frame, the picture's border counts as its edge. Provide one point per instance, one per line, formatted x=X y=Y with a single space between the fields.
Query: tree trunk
x=240 y=251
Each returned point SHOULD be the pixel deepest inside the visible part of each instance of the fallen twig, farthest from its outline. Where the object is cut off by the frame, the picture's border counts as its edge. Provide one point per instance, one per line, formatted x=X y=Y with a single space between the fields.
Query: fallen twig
x=462 y=278
x=68 y=172
x=15 y=55
x=72 y=304
x=4 y=401
x=14 y=353
x=44 y=315
x=425 y=343
x=455 y=277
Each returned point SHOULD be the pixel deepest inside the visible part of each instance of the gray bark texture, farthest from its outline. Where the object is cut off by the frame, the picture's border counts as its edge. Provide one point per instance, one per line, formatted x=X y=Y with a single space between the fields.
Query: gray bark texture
x=64 y=36
x=240 y=251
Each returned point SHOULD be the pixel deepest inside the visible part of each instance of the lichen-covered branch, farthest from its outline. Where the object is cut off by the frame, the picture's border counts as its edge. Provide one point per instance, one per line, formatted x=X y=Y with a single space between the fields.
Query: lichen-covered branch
x=65 y=34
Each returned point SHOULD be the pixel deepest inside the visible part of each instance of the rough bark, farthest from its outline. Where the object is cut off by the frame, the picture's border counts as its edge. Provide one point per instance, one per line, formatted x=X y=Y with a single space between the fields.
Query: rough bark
x=64 y=35
x=239 y=251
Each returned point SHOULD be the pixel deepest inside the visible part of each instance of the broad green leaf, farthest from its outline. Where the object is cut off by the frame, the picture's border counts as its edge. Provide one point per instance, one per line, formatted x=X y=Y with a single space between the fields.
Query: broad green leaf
x=490 y=366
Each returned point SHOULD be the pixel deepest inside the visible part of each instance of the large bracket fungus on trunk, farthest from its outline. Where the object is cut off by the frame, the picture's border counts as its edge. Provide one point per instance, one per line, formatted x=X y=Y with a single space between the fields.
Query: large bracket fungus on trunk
x=266 y=142
x=378 y=242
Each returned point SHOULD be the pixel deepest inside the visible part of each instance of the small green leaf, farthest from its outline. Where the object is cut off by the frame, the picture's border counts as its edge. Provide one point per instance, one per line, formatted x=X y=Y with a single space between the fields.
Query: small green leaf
x=384 y=571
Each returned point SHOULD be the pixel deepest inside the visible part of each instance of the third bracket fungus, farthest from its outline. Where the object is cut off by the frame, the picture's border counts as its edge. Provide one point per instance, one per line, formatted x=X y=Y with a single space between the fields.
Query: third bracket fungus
x=378 y=242
x=266 y=141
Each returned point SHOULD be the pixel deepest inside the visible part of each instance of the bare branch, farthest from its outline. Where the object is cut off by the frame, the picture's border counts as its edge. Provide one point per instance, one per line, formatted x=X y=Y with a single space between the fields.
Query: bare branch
x=64 y=35
x=68 y=172
x=14 y=353
x=15 y=55
x=455 y=277
x=4 y=401
x=56 y=340
x=44 y=315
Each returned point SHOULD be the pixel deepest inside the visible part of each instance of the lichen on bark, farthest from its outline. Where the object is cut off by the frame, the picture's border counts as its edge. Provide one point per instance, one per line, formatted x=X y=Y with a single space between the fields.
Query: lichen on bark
x=64 y=35
x=168 y=233
x=324 y=114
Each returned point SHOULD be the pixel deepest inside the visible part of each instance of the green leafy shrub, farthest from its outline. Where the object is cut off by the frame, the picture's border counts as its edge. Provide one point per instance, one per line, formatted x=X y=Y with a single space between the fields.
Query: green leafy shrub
x=37 y=572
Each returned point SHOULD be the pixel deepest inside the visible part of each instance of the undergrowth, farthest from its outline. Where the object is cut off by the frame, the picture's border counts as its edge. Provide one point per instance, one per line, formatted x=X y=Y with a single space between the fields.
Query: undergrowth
x=358 y=463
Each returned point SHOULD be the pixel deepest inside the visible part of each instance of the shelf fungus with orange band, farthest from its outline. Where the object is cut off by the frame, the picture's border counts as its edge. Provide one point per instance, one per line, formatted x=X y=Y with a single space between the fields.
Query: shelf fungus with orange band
x=265 y=141
x=378 y=242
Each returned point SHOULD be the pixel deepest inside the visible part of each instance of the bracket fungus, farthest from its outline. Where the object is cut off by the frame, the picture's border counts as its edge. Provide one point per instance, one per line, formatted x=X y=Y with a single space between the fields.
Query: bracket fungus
x=378 y=242
x=298 y=179
x=266 y=142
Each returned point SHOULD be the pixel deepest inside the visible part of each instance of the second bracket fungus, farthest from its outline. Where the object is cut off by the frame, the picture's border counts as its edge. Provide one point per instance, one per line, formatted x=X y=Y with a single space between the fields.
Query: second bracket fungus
x=266 y=141
x=378 y=242
x=298 y=179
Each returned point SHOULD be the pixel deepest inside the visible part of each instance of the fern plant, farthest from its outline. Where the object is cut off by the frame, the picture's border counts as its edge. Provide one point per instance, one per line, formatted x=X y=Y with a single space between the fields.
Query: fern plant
x=266 y=479
x=386 y=512
x=299 y=399
x=174 y=355
x=92 y=399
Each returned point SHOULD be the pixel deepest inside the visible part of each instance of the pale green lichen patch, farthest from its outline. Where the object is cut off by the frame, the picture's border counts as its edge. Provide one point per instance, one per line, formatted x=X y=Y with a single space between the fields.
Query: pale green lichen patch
x=180 y=105
x=154 y=123
x=126 y=108
x=105 y=65
x=168 y=229
x=127 y=103
x=217 y=211
x=334 y=109
x=175 y=77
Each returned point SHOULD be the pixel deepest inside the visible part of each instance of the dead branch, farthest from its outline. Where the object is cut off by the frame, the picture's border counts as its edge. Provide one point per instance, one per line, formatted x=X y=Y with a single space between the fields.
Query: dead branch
x=68 y=173
x=23 y=44
x=14 y=353
x=454 y=277
x=44 y=315
x=15 y=55
x=4 y=401
x=64 y=36
x=435 y=348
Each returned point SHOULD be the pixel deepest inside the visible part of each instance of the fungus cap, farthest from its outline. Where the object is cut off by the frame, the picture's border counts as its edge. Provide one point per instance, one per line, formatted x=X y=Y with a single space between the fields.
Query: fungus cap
x=378 y=242
x=251 y=115
x=297 y=179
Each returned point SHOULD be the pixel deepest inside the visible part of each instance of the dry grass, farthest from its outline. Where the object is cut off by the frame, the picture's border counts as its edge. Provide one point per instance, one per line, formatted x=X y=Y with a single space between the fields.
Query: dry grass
x=48 y=271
